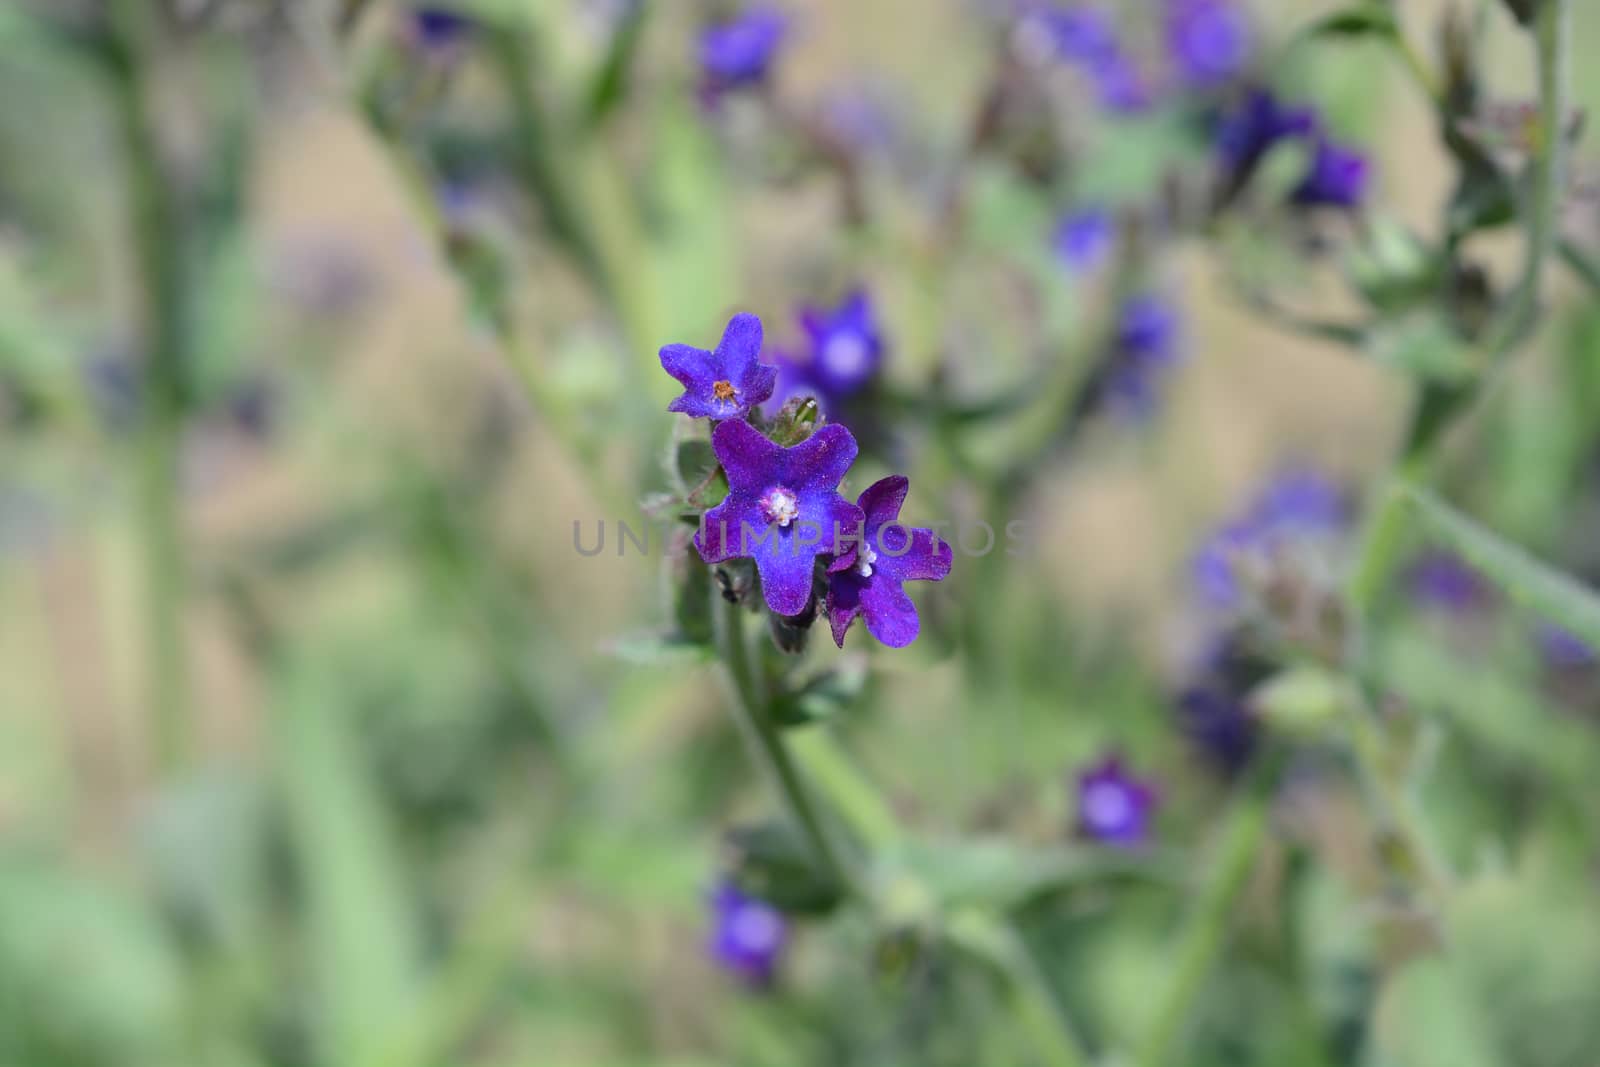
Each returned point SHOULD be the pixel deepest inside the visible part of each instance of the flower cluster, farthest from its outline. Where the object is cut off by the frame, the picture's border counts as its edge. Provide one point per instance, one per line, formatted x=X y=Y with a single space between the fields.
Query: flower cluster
x=783 y=508
x=1336 y=175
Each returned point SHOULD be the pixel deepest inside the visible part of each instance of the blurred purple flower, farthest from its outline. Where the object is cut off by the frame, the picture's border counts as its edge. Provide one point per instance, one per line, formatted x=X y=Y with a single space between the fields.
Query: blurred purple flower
x=1295 y=504
x=1246 y=134
x=1561 y=649
x=748 y=935
x=1337 y=177
x=1083 y=239
x=846 y=344
x=796 y=378
x=867 y=580
x=1445 y=581
x=1209 y=41
x=1212 y=708
x=1114 y=807
x=1219 y=723
x=783 y=507
x=437 y=27
x=724 y=384
x=1079 y=34
x=1122 y=88
x=1145 y=347
x=739 y=53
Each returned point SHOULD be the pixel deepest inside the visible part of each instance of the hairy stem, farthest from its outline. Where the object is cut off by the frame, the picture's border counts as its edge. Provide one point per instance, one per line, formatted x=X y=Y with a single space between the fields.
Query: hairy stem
x=157 y=235
x=754 y=714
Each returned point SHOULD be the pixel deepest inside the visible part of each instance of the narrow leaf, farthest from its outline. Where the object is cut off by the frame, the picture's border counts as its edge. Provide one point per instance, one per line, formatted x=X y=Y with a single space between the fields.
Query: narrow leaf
x=1537 y=586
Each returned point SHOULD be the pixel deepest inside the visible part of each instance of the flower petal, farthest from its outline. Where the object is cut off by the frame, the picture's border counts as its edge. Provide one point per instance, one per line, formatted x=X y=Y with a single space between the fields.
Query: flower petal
x=843 y=604
x=740 y=345
x=691 y=366
x=890 y=614
x=752 y=462
x=721 y=534
x=756 y=384
x=881 y=501
x=785 y=566
x=821 y=460
x=928 y=557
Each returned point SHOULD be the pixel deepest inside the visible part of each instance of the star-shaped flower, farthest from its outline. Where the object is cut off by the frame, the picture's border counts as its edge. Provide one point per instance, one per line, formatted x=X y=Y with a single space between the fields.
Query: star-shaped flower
x=724 y=384
x=1114 y=807
x=866 y=580
x=783 y=507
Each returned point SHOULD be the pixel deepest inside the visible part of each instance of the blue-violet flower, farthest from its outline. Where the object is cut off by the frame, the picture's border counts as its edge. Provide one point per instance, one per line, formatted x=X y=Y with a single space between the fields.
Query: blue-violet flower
x=783 y=507
x=724 y=384
x=1337 y=177
x=739 y=53
x=846 y=344
x=867 y=579
x=748 y=935
x=1114 y=807
x=1209 y=40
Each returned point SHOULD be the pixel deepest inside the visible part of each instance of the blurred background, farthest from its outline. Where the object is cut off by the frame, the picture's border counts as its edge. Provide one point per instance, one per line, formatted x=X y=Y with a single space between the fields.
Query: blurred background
x=321 y=325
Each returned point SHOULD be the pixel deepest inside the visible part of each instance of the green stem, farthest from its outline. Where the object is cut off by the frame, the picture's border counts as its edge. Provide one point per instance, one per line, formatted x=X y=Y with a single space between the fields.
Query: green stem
x=1038 y=1009
x=1206 y=931
x=754 y=714
x=157 y=226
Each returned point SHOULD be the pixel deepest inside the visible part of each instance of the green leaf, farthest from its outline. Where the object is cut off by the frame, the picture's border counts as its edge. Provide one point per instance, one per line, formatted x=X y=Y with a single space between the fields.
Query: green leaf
x=1361 y=20
x=1423 y=347
x=999 y=874
x=773 y=862
x=610 y=85
x=1554 y=596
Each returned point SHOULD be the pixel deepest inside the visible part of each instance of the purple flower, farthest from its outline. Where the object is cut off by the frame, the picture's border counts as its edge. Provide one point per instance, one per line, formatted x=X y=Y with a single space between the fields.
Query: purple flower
x=1296 y=504
x=1209 y=40
x=867 y=580
x=783 y=507
x=739 y=53
x=798 y=377
x=1121 y=86
x=438 y=27
x=1444 y=580
x=1083 y=239
x=1144 y=347
x=724 y=384
x=1337 y=177
x=748 y=935
x=1254 y=128
x=846 y=344
x=1562 y=649
x=1114 y=807
x=1078 y=34
x=1213 y=711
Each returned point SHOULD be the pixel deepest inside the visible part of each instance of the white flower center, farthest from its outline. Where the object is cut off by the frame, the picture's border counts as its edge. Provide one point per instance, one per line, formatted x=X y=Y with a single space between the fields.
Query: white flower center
x=1106 y=804
x=756 y=929
x=865 y=558
x=780 y=505
x=846 y=354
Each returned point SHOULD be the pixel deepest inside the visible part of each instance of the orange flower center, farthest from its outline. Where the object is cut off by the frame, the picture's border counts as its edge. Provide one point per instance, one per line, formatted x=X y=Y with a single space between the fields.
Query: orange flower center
x=723 y=390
